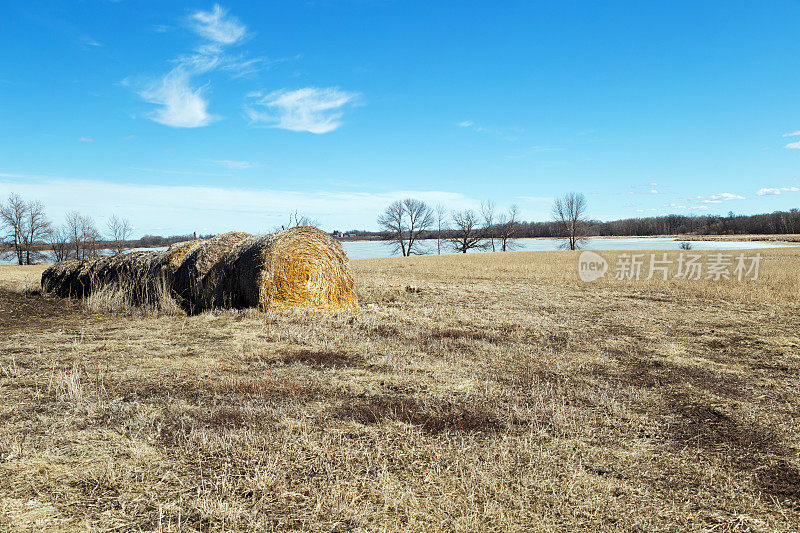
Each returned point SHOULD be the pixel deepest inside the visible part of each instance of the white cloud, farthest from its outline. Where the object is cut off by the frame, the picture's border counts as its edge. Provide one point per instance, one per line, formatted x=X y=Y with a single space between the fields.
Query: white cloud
x=182 y=106
x=766 y=191
x=793 y=146
x=309 y=109
x=217 y=26
x=719 y=198
x=509 y=134
x=792 y=134
x=183 y=209
x=85 y=139
x=726 y=196
x=238 y=165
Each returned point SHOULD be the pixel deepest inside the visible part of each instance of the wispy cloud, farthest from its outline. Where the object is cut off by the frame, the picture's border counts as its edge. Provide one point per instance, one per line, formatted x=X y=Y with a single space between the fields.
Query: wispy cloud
x=182 y=209
x=791 y=134
x=217 y=26
x=793 y=146
x=719 y=198
x=182 y=106
x=85 y=139
x=510 y=135
x=647 y=188
x=726 y=196
x=310 y=109
x=177 y=172
x=767 y=191
x=236 y=165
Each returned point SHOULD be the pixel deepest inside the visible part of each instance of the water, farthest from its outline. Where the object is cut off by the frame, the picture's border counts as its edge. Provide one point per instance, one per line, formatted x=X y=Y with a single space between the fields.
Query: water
x=377 y=249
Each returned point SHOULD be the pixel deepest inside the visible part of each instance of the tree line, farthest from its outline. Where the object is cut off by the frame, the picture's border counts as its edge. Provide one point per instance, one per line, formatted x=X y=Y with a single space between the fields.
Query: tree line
x=405 y=223
x=29 y=233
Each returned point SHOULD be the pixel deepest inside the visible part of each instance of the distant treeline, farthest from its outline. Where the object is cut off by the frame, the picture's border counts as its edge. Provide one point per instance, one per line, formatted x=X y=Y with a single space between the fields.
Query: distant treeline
x=779 y=222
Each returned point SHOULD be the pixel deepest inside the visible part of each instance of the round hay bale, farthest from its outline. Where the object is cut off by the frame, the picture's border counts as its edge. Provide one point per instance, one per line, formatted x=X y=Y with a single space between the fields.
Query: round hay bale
x=177 y=252
x=138 y=273
x=59 y=278
x=293 y=268
x=195 y=280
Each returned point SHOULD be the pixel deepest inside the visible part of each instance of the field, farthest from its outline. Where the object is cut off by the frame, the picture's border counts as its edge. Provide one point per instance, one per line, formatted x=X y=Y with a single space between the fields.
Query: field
x=471 y=392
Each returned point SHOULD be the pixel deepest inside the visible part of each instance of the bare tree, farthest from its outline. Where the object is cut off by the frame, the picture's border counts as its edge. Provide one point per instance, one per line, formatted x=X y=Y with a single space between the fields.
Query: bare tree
x=59 y=243
x=569 y=212
x=296 y=219
x=487 y=212
x=441 y=222
x=120 y=229
x=83 y=235
x=12 y=216
x=27 y=226
x=73 y=231
x=405 y=222
x=36 y=229
x=507 y=227
x=467 y=232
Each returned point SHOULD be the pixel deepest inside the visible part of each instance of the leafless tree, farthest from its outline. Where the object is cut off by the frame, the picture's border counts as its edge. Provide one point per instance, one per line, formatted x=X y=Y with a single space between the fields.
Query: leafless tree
x=441 y=223
x=467 y=233
x=120 y=229
x=507 y=227
x=36 y=229
x=83 y=235
x=296 y=219
x=405 y=222
x=12 y=216
x=59 y=243
x=569 y=212
x=27 y=226
x=487 y=212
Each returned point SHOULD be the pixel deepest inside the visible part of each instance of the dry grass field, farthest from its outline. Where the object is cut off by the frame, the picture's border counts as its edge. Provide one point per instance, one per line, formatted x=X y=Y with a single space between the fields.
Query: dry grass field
x=471 y=392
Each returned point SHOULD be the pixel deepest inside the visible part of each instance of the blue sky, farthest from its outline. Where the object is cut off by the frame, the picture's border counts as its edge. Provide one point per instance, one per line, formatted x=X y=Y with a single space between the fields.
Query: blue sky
x=195 y=116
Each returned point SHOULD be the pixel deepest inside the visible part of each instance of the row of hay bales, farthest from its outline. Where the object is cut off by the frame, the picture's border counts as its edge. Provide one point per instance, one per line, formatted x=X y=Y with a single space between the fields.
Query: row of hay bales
x=296 y=267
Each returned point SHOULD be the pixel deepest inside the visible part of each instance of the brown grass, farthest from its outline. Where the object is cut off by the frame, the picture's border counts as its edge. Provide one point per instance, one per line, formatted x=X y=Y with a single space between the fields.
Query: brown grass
x=504 y=394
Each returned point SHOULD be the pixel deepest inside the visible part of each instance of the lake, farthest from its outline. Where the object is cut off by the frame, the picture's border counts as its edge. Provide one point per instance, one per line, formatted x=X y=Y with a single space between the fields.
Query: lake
x=377 y=249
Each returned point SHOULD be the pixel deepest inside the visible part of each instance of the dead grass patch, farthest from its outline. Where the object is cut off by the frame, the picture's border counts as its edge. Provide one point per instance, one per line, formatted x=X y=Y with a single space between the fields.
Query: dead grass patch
x=433 y=416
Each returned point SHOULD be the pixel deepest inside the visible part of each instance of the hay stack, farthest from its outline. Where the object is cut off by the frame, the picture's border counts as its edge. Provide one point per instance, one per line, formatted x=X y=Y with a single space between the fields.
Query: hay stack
x=195 y=278
x=296 y=267
x=139 y=273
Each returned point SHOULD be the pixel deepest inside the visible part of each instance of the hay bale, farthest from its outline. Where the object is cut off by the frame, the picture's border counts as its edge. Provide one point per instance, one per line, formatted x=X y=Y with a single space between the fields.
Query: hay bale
x=59 y=279
x=195 y=279
x=296 y=267
x=177 y=252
